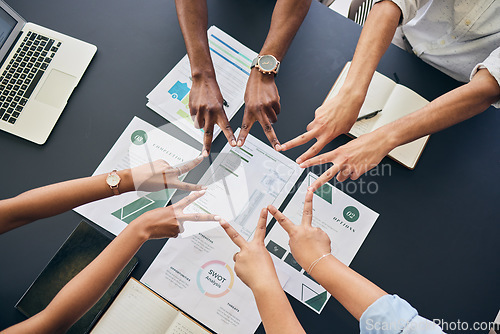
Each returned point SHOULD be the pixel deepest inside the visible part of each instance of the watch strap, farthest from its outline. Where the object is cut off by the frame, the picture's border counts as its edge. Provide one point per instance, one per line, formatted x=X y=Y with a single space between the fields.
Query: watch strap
x=114 y=188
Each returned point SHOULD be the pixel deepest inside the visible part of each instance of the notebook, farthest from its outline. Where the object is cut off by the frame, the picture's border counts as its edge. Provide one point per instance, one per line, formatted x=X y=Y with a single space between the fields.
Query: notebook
x=137 y=309
x=395 y=101
x=83 y=245
x=39 y=70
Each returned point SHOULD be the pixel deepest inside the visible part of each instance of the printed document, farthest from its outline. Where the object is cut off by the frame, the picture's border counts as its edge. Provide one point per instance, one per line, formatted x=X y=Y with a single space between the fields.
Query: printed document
x=345 y=220
x=232 y=61
x=140 y=143
x=196 y=272
x=241 y=181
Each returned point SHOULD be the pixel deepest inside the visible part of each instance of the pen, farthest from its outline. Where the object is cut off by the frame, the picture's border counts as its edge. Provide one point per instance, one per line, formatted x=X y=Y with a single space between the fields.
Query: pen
x=369 y=115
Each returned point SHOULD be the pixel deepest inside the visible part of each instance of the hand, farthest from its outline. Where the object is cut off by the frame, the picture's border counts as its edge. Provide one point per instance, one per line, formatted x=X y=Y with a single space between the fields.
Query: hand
x=307 y=243
x=168 y=222
x=352 y=159
x=262 y=103
x=252 y=255
x=206 y=107
x=159 y=175
x=333 y=118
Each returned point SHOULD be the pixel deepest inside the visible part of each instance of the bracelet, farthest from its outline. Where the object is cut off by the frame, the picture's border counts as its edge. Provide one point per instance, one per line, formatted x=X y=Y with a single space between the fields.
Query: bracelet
x=315 y=262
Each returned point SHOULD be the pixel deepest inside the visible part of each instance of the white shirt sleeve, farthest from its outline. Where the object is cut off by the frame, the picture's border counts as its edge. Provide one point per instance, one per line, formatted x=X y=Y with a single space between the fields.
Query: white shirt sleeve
x=392 y=315
x=408 y=8
x=492 y=64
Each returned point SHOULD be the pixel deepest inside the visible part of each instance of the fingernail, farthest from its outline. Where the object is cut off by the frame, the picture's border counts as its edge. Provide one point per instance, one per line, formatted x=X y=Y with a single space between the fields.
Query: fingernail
x=310 y=189
x=200 y=158
x=299 y=160
x=205 y=153
x=217 y=217
x=283 y=147
x=240 y=143
x=278 y=147
x=204 y=187
x=233 y=142
x=202 y=192
x=302 y=165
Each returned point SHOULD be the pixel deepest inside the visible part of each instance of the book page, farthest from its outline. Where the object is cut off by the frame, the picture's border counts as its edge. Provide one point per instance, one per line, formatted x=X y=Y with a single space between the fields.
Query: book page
x=136 y=310
x=184 y=325
x=378 y=92
x=402 y=102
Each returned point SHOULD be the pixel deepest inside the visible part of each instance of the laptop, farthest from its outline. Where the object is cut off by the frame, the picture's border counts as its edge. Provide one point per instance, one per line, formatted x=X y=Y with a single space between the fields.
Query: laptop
x=39 y=69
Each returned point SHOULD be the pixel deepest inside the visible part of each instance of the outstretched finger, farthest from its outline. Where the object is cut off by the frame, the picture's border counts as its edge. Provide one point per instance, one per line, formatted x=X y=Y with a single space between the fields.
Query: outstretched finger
x=185 y=186
x=207 y=137
x=311 y=152
x=281 y=218
x=318 y=160
x=308 y=209
x=197 y=217
x=269 y=132
x=260 y=231
x=226 y=129
x=246 y=125
x=189 y=199
x=233 y=234
x=324 y=178
x=184 y=168
x=297 y=141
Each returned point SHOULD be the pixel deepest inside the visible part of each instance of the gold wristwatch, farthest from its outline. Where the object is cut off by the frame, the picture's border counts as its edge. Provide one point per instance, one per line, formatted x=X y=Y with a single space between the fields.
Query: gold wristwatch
x=113 y=181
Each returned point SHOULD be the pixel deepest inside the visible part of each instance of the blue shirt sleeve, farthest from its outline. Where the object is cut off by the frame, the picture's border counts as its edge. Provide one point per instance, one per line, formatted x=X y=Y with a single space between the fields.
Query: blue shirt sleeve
x=393 y=315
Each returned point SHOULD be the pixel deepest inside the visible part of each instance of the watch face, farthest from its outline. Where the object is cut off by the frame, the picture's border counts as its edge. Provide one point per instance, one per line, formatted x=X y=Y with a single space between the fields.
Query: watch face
x=113 y=180
x=267 y=63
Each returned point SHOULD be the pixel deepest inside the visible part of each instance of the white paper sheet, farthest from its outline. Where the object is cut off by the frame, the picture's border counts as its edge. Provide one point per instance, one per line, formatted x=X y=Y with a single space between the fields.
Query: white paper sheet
x=138 y=144
x=242 y=181
x=231 y=59
x=345 y=220
x=197 y=275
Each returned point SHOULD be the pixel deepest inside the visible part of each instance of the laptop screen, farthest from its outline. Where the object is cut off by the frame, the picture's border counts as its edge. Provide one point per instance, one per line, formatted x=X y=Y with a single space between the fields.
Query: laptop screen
x=7 y=24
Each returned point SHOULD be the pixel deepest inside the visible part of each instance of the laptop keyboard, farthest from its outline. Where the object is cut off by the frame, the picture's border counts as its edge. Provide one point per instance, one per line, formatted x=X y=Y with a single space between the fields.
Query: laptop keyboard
x=23 y=73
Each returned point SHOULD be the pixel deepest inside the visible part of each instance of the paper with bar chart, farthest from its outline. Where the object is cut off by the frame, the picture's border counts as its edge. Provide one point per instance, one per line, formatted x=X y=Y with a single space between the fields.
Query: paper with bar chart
x=345 y=220
x=231 y=59
x=140 y=143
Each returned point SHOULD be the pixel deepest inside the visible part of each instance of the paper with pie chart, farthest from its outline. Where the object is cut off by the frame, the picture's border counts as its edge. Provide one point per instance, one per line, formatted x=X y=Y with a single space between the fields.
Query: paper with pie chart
x=196 y=274
x=346 y=221
x=139 y=143
x=231 y=60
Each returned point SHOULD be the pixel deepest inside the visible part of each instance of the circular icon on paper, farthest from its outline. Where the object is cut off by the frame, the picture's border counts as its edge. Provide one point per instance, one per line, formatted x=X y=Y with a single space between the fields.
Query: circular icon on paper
x=351 y=214
x=139 y=137
x=215 y=279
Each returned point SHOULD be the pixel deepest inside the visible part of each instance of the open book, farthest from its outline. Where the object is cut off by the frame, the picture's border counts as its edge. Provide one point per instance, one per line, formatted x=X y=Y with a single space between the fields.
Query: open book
x=395 y=101
x=137 y=309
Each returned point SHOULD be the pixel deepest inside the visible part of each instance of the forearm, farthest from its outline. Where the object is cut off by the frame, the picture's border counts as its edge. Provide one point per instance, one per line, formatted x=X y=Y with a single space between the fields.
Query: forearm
x=275 y=311
x=286 y=20
x=57 y=198
x=351 y=289
x=85 y=289
x=193 y=20
x=451 y=108
x=373 y=42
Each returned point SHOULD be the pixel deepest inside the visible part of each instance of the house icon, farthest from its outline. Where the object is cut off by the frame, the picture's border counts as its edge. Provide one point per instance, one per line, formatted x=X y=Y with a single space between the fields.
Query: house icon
x=179 y=90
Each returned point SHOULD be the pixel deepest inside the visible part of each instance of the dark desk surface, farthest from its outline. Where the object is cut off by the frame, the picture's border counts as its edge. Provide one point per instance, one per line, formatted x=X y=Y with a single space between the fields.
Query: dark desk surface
x=436 y=240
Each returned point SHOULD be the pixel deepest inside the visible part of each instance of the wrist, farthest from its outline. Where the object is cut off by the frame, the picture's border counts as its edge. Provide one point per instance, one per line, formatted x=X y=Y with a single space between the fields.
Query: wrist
x=198 y=74
x=127 y=181
x=387 y=138
x=137 y=230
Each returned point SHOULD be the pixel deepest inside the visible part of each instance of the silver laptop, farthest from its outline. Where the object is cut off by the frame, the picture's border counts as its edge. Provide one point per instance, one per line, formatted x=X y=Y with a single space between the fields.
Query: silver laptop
x=38 y=72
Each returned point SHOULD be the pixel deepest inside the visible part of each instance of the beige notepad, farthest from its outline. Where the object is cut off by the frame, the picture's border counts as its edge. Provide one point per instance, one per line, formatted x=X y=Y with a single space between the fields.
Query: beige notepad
x=395 y=101
x=137 y=309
